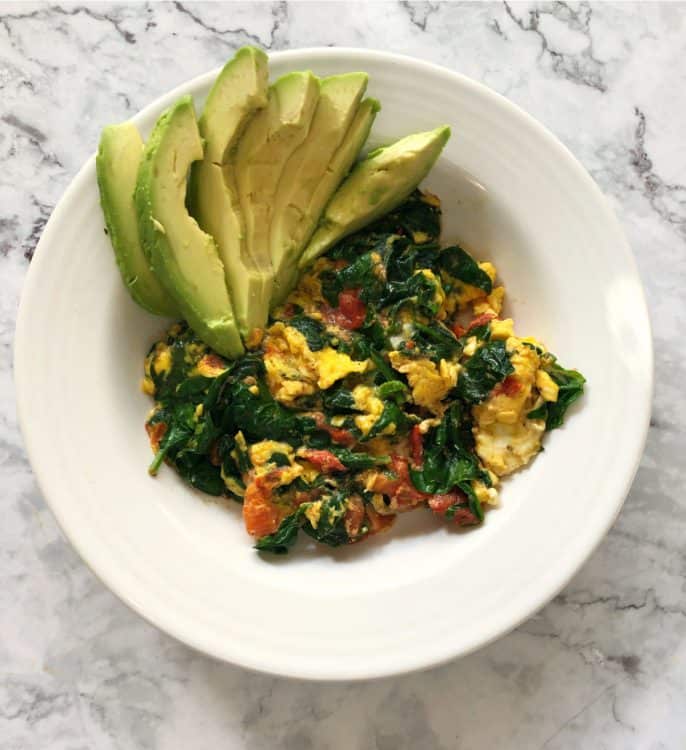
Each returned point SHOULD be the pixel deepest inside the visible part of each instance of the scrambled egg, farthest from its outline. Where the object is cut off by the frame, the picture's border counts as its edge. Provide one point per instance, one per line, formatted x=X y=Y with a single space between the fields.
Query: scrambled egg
x=366 y=401
x=293 y=370
x=429 y=383
x=506 y=439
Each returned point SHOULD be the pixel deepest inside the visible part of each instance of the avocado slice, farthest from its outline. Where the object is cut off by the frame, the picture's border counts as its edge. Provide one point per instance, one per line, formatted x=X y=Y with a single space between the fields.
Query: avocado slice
x=338 y=168
x=116 y=166
x=376 y=186
x=274 y=134
x=339 y=99
x=183 y=257
x=238 y=93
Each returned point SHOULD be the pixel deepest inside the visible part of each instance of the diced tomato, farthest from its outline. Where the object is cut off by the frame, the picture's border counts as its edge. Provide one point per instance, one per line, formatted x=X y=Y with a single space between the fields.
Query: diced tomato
x=510 y=386
x=480 y=320
x=464 y=517
x=416 y=446
x=459 y=330
x=398 y=486
x=439 y=504
x=324 y=460
x=260 y=514
x=406 y=494
x=377 y=522
x=461 y=516
x=337 y=434
x=156 y=433
x=410 y=345
x=351 y=311
x=354 y=516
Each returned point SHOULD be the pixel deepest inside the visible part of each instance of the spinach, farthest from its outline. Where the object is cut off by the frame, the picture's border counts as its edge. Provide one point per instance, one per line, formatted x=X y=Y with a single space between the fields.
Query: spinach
x=436 y=340
x=259 y=415
x=448 y=461
x=489 y=366
x=339 y=400
x=331 y=525
x=199 y=472
x=460 y=265
x=416 y=218
x=279 y=459
x=361 y=273
x=284 y=537
x=394 y=388
x=353 y=460
x=180 y=422
x=571 y=387
x=313 y=330
x=419 y=290
x=391 y=414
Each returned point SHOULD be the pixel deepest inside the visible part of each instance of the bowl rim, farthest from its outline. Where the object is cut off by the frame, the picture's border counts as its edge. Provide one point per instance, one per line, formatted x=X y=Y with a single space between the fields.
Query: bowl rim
x=23 y=353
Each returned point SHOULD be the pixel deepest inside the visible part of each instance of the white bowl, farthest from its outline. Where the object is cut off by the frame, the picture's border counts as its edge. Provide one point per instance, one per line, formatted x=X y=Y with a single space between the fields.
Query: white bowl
x=423 y=593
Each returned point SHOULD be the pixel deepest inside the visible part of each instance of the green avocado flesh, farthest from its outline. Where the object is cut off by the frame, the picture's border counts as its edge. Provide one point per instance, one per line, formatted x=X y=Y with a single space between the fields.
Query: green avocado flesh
x=338 y=168
x=119 y=155
x=214 y=219
x=294 y=210
x=182 y=256
x=239 y=92
x=274 y=134
x=376 y=186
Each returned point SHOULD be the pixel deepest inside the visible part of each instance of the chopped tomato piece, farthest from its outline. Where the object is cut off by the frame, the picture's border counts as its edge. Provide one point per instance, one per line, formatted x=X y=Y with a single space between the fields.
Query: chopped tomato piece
x=440 y=503
x=337 y=434
x=510 y=386
x=416 y=446
x=351 y=311
x=156 y=433
x=480 y=320
x=260 y=514
x=354 y=516
x=461 y=515
x=459 y=330
x=324 y=460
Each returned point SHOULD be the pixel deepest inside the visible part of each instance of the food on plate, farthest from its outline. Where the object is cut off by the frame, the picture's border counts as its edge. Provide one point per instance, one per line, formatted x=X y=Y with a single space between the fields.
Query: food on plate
x=388 y=381
x=239 y=92
x=182 y=256
x=375 y=186
x=119 y=156
x=334 y=366
x=265 y=162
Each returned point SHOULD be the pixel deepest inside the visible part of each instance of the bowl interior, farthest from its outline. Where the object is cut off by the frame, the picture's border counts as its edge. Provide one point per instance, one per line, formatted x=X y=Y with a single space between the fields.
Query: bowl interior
x=187 y=565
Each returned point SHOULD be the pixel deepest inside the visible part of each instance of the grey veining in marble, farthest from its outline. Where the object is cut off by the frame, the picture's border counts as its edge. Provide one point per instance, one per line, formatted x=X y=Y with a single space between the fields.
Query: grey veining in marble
x=602 y=666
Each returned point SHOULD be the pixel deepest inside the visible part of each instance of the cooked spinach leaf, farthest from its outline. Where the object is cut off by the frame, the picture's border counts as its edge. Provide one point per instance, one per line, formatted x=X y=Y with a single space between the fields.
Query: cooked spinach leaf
x=313 y=330
x=284 y=537
x=489 y=366
x=571 y=387
x=460 y=265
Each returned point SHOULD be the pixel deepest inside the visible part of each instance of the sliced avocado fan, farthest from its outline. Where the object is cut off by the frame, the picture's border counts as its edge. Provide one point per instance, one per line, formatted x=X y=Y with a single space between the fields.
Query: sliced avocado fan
x=339 y=99
x=376 y=186
x=239 y=92
x=116 y=165
x=184 y=258
x=338 y=168
x=266 y=146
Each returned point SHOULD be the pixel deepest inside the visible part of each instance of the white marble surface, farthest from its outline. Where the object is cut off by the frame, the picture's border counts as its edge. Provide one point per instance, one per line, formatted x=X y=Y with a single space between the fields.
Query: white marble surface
x=604 y=665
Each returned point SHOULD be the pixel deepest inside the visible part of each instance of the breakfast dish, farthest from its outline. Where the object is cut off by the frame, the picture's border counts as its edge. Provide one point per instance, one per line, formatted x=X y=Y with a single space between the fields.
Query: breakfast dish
x=335 y=366
x=388 y=381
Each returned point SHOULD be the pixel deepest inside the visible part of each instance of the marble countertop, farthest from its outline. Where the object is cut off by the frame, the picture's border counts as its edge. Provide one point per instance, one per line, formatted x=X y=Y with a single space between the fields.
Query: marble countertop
x=603 y=665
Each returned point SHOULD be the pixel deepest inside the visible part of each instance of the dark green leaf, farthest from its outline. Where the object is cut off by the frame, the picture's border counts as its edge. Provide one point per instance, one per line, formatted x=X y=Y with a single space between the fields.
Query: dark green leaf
x=489 y=366
x=460 y=265
x=283 y=538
